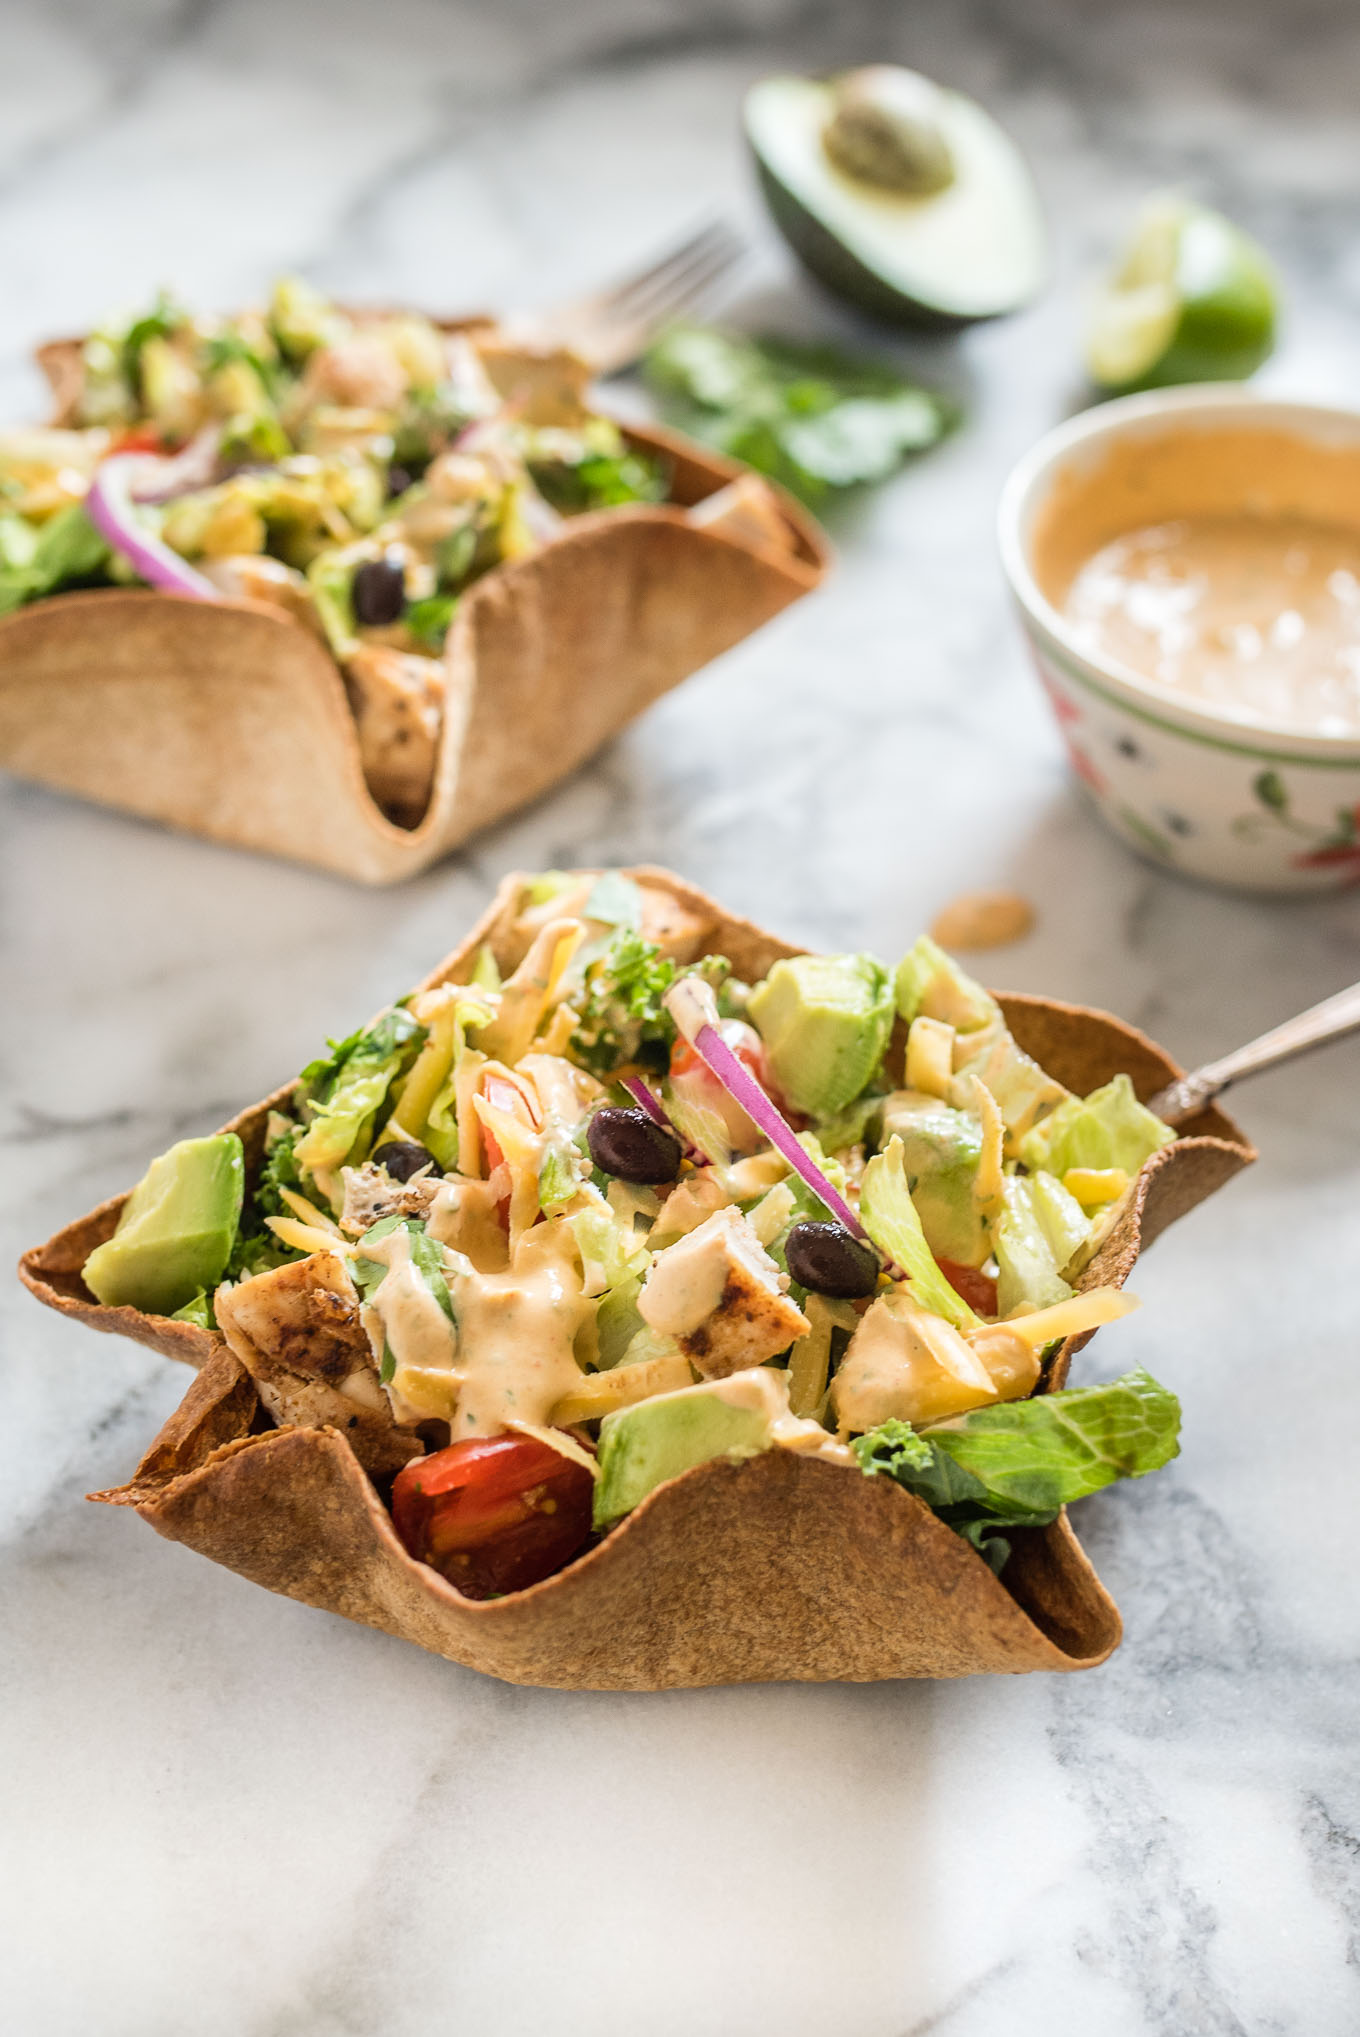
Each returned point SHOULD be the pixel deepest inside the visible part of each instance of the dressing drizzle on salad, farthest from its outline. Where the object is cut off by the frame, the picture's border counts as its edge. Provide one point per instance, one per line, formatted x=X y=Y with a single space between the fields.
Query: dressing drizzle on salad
x=508 y=1283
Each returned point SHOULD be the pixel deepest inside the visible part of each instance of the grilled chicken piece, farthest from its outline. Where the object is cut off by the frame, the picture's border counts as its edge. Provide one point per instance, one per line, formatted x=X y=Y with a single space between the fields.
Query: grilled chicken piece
x=721 y=1296
x=371 y=1194
x=253 y=577
x=398 y=702
x=546 y=384
x=297 y=1332
x=746 y=510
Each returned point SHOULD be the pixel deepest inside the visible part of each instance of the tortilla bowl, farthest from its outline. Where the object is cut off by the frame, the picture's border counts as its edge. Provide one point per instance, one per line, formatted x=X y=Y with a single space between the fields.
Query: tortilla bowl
x=229 y=719
x=775 y=1568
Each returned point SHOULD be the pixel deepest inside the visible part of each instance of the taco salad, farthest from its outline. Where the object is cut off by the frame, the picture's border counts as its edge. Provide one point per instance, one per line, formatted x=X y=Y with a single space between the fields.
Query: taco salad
x=538 y=1242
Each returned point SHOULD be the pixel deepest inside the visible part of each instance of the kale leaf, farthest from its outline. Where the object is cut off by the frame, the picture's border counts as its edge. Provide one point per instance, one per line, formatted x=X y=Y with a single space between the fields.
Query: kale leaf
x=622 y=1017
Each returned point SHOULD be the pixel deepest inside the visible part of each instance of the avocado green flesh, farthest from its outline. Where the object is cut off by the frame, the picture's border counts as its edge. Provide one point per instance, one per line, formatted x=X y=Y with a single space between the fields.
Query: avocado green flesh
x=974 y=250
x=643 y=1446
x=176 y=1231
x=941 y=1148
x=824 y=1021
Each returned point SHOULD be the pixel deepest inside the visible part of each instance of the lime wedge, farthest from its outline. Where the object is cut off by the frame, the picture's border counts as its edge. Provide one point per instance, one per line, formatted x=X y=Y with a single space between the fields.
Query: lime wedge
x=1193 y=301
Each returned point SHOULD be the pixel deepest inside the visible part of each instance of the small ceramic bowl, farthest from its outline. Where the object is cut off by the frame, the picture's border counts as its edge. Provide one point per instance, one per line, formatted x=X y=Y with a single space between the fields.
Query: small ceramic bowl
x=1214 y=793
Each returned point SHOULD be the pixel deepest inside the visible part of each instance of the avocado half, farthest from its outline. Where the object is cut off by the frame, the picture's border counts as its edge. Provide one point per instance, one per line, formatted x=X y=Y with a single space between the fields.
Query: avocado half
x=972 y=250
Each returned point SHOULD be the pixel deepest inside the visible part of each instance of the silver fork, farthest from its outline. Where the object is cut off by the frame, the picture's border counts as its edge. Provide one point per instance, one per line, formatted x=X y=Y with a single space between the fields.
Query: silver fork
x=614 y=327
x=1330 y=1020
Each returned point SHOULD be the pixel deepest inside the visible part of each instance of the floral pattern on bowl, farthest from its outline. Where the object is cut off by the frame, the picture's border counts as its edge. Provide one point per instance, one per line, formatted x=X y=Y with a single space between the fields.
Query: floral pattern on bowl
x=1222 y=810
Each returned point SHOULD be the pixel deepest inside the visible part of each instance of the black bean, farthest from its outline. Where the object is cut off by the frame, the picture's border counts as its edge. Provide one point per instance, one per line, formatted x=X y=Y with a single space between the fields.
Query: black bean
x=404 y=1157
x=828 y=1259
x=379 y=592
x=629 y=1144
x=399 y=479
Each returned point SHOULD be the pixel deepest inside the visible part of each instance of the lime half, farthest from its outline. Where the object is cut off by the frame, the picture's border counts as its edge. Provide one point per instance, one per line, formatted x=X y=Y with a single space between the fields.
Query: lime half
x=1193 y=301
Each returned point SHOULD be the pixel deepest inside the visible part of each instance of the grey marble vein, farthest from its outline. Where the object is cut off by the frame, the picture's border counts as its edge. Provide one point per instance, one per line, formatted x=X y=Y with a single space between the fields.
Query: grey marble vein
x=227 y=1814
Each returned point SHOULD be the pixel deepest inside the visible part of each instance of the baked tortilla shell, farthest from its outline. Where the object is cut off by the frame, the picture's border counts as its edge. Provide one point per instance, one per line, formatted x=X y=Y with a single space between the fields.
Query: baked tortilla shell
x=229 y=719
x=776 y=1568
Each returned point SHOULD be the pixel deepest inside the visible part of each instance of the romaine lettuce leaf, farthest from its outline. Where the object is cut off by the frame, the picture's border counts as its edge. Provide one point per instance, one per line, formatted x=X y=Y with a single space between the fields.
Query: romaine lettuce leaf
x=1061 y=1217
x=617 y=1322
x=67 y=552
x=615 y=901
x=198 y=1310
x=1109 y=1128
x=889 y=1216
x=432 y=1118
x=614 y=1262
x=931 y=984
x=1016 y=1463
x=429 y=620
x=343 y=1093
x=1038 y=1455
x=1028 y=1273
x=559 y=1177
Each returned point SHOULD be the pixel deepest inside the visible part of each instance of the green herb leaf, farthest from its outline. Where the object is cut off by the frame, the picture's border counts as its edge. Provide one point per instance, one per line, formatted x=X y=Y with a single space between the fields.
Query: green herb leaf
x=615 y=901
x=813 y=418
x=429 y=620
x=622 y=1016
x=427 y=1256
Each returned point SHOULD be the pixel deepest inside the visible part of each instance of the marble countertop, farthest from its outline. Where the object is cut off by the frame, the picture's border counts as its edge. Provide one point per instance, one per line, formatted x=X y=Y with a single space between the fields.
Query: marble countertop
x=226 y=1815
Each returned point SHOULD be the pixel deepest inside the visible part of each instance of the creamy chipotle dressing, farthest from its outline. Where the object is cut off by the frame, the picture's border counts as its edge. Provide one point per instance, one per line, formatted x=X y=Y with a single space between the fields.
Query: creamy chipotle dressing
x=1260 y=614
x=1217 y=556
x=516 y=1332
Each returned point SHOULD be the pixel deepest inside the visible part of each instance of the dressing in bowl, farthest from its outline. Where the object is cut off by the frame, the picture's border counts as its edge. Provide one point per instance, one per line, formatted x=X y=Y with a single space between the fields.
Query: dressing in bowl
x=1187 y=567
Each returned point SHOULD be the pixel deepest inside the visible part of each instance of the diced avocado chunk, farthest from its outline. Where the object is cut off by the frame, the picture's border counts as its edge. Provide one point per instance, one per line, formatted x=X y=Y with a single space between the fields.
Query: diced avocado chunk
x=931 y=984
x=825 y=1021
x=941 y=1148
x=176 y=1230
x=641 y=1447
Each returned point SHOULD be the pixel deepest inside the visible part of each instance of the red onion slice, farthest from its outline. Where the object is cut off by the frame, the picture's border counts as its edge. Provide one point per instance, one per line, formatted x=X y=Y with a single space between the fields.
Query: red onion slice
x=691 y=1004
x=109 y=506
x=643 y=1096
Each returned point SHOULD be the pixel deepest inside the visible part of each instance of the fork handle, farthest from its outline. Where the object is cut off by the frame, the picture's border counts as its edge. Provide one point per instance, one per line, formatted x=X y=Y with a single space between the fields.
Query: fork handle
x=1330 y=1020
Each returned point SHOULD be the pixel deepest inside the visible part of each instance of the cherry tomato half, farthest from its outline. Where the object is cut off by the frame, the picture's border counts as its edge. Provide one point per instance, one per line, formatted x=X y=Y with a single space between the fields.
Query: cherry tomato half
x=512 y=1098
x=141 y=438
x=493 y=1514
x=977 y=1288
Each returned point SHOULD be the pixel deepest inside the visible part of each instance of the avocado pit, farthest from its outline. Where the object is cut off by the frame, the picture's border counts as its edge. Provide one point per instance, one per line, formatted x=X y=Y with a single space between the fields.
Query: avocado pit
x=887 y=130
